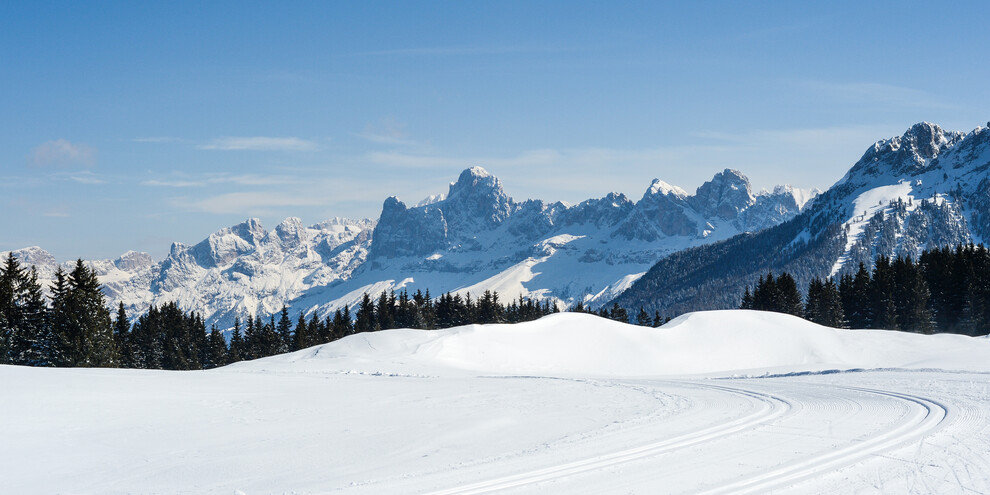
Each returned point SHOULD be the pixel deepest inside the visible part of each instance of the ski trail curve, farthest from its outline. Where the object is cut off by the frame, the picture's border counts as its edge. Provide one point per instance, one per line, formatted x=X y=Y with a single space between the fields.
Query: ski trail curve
x=927 y=416
x=772 y=408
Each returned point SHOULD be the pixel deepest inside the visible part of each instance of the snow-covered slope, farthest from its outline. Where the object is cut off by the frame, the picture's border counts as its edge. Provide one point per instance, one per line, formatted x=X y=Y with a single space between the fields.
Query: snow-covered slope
x=926 y=188
x=567 y=404
x=472 y=239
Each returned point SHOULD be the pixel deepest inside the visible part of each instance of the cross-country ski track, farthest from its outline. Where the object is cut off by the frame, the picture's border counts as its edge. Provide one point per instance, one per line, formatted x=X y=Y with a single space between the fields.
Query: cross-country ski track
x=908 y=419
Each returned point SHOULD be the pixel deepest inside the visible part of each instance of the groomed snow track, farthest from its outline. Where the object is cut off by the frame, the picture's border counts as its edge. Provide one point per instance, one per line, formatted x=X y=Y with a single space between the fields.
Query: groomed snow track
x=917 y=418
x=770 y=409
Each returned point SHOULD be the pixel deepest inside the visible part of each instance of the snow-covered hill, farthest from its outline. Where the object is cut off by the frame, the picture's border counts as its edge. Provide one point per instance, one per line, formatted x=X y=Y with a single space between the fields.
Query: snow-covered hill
x=926 y=188
x=710 y=343
x=570 y=403
x=472 y=239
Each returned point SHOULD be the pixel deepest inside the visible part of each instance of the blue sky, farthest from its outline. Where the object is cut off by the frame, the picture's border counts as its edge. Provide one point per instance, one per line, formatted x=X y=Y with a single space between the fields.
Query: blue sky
x=134 y=124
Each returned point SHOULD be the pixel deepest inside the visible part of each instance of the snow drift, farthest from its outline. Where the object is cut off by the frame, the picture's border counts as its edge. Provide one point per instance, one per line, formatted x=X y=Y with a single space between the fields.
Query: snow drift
x=572 y=344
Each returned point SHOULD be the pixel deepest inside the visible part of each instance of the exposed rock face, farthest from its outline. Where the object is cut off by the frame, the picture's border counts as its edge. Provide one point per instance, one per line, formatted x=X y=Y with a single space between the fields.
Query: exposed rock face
x=725 y=196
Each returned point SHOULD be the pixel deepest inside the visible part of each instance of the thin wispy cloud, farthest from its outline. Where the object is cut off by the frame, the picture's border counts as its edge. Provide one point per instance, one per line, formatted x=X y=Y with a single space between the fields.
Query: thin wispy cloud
x=260 y=143
x=866 y=92
x=252 y=203
x=80 y=177
x=590 y=157
x=62 y=153
x=56 y=212
x=255 y=180
x=212 y=179
x=87 y=179
x=388 y=132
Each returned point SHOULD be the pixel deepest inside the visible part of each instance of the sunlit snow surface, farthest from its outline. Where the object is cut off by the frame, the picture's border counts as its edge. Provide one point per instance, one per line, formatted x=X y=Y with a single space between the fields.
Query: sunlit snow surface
x=717 y=402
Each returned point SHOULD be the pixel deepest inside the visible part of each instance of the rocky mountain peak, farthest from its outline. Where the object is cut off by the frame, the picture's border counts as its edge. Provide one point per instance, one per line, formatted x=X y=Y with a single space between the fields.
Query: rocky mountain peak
x=33 y=255
x=291 y=232
x=925 y=138
x=909 y=153
x=250 y=230
x=133 y=261
x=473 y=181
x=727 y=194
x=660 y=187
x=477 y=195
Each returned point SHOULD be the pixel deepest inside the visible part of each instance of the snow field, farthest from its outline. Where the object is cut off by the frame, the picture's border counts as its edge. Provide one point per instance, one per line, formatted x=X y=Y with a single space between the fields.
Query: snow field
x=715 y=402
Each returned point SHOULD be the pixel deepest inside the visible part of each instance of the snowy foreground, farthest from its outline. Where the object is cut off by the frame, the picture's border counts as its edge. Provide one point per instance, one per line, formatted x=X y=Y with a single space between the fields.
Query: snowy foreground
x=715 y=402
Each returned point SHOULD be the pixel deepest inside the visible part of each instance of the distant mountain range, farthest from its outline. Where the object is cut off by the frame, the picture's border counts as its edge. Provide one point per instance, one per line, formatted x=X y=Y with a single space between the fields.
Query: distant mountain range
x=472 y=239
x=924 y=189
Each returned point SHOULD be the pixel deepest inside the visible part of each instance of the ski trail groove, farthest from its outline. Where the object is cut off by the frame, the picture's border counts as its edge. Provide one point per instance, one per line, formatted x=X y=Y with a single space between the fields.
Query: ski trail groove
x=928 y=416
x=772 y=408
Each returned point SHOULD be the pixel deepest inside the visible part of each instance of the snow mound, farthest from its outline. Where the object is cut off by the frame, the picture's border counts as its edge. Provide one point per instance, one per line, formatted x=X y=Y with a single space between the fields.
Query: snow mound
x=715 y=343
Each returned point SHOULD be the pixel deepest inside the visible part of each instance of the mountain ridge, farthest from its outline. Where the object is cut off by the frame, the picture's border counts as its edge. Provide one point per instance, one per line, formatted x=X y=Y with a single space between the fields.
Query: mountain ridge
x=471 y=239
x=926 y=188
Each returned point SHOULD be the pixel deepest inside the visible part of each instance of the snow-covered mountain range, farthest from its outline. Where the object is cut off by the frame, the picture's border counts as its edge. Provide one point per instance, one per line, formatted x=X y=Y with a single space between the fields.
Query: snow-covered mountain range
x=473 y=238
x=926 y=188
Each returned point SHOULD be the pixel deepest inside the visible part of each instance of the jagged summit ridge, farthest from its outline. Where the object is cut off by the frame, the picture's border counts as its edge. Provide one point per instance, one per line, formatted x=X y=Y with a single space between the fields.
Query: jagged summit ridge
x=909 y=153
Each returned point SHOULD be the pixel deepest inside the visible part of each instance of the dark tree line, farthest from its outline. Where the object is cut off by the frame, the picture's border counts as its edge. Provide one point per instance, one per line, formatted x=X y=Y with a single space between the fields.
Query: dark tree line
x=74 y=327
x=946 y=290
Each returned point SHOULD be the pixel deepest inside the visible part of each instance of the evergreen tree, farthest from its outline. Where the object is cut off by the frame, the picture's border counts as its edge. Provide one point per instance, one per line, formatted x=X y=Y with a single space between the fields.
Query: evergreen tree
x=318 y=331
x=300 y=337
x=11 y=280
x=824 y=305
x=235 y=352
x=766 y=295
x=643 y=318
x=216 y=353
x=271 y=341
x=881 y=295
x=911 y=297
x=747 y=299
x=657 y=320
x=284 y=330
x=618 y=313
x=347 y=323
x=42 y=343
x=788 y=297
x=29 y=338
x=122 y=337
x=339 y=326
x=812 y=307
x=831 y=313
x=365 y=321
x=489 y=309
x=252 y=340
x=855 y=294
x=384 y=312
x=88 y=328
